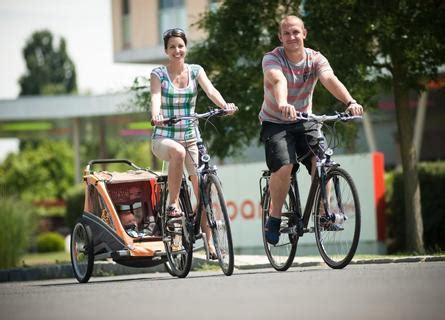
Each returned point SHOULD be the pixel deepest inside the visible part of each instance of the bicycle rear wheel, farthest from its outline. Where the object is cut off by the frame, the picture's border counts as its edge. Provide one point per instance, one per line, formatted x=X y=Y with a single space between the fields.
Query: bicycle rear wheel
x=178 y=244
x=220 y=224
x=337 y=242
x=282 y=254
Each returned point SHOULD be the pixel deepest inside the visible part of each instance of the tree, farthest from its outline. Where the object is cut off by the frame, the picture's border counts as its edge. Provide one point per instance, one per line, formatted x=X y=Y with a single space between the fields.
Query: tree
x=239 y=33
x=398 y=42
x=40 y=172
x=238 y=36
x=50 y=71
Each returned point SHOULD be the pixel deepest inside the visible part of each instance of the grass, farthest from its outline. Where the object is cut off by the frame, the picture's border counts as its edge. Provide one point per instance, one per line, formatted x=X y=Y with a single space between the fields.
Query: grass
x=208 y=267
x=36 y=259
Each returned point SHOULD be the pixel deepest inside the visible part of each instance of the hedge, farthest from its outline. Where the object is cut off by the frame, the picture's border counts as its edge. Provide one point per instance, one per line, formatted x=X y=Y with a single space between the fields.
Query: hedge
x=17 y=224
x=432 y=193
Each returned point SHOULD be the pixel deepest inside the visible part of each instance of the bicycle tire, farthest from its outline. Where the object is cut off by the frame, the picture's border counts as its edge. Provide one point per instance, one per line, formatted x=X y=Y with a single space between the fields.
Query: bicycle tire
x=281 y=256
x=81 y=252
x=220 y=224
x=338 y=243
x=179 y=259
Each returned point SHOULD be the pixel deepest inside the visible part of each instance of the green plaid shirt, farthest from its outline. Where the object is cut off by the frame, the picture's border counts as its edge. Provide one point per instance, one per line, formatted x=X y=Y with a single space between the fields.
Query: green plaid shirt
x=177 y=102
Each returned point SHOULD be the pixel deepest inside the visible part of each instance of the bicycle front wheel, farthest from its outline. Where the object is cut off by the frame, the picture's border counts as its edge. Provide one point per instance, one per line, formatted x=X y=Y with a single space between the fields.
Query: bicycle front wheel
x=337 y=240
x=178 y=242
x=220 y=224
x=282 y=254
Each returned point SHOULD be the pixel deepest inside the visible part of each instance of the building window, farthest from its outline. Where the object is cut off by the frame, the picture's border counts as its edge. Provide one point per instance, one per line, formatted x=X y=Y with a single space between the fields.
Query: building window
x=172 y=14
x=213 y=5
x=126 y=32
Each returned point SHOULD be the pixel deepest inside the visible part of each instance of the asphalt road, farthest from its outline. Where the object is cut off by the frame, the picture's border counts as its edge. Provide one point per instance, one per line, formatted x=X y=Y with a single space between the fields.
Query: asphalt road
x=372 y=291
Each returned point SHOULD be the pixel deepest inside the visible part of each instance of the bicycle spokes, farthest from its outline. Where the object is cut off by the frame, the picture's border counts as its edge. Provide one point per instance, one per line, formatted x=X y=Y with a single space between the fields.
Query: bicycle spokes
x=337 y=231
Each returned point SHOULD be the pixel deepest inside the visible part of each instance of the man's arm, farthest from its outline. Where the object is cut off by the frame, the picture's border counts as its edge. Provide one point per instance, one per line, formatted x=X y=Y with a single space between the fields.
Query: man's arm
x=330 y=81
x=276 y=79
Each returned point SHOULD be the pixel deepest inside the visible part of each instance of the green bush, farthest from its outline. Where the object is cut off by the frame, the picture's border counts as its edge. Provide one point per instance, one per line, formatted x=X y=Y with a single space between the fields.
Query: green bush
x=74 y=204
x=432 y=189
x=50 y=242
x=48 y=163
x=17 y=223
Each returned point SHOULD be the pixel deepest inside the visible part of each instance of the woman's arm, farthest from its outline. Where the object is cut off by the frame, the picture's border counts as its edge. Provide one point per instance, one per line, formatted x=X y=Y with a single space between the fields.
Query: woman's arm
x=213 y=94
x=210 y=90
x=155 y=89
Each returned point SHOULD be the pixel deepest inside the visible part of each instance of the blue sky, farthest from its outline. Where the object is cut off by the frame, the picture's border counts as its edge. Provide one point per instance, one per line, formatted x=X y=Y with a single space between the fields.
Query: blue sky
x=85 y=25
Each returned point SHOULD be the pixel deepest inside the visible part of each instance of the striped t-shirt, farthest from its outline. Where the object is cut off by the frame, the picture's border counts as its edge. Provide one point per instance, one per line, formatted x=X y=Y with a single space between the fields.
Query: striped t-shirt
x=177 y=102
x=301 y=80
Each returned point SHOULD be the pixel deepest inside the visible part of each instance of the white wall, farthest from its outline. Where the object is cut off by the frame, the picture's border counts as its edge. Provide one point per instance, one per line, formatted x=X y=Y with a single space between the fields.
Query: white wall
x=242 y=192
x=8 y=145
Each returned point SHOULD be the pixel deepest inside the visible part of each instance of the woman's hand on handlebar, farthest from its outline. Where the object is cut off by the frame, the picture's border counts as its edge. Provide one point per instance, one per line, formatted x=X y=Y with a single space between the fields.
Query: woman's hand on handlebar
x=230 y=108
x=158 y=120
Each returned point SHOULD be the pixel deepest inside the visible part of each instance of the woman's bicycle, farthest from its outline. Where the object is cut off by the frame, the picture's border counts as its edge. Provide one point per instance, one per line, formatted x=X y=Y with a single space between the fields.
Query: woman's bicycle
x=180 y=234
x=332 y=202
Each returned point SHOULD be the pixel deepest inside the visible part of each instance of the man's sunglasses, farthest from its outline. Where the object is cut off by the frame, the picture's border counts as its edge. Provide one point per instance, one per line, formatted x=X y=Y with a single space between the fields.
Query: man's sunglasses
x=173 y=32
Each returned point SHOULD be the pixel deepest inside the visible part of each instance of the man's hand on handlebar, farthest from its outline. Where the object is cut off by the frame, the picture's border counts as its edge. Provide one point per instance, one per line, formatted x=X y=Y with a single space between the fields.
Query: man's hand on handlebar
x=230 y=108
x=355 y=109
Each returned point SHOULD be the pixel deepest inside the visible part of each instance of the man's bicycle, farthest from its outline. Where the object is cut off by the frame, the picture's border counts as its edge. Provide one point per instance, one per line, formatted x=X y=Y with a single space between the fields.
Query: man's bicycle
x=332 y=202
x=180 y=234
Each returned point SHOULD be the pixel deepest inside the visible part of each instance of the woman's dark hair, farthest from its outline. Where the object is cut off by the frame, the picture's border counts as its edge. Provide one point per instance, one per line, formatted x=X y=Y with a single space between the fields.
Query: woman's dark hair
x=175 y=32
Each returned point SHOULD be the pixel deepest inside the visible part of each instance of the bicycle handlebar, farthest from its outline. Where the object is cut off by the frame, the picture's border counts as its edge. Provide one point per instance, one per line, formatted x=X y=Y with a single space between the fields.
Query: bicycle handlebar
x=342 y=116
x=194 y=116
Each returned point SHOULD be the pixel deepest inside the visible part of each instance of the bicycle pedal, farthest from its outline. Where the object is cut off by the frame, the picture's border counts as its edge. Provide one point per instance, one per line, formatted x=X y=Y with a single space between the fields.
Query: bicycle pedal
x=175 y=220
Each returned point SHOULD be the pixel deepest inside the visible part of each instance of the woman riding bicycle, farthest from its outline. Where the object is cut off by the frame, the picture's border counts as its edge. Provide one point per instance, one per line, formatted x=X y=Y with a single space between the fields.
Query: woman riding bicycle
x=290 y=75
x=174 y=89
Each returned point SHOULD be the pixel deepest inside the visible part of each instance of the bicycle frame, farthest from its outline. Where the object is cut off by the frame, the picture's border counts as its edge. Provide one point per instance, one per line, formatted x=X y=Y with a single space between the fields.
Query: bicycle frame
x=323 y=164
x=204 y=168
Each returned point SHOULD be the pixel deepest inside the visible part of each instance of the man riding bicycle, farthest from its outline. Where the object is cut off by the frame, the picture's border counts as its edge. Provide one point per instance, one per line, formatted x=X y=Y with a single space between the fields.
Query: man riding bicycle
x=290 y=75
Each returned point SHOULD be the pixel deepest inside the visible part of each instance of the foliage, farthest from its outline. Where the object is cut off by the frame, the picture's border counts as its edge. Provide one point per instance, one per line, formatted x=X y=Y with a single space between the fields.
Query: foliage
x=432 y=182
x=137 y=152
x=40 y=171
x=16 y=224
x=50 y=242
x=74 y=204
x=238 y=37
x=400 y=41
x=141 y=95
x=50 y=71
x=367 y=41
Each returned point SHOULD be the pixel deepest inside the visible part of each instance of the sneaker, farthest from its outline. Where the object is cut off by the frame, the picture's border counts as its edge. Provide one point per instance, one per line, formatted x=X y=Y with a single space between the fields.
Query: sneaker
x=173 y=212
x=175 y=226
x=328 y=225
x=272 y=230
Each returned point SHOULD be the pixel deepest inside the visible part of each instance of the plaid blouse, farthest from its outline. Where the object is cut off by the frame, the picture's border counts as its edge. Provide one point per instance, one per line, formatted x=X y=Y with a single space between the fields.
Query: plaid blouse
x=177 y=102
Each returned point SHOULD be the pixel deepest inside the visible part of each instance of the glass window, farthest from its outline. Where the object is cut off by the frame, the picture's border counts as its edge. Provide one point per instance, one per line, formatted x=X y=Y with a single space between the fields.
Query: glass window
x=213 y=5
x=126 y=24
x=172 y=14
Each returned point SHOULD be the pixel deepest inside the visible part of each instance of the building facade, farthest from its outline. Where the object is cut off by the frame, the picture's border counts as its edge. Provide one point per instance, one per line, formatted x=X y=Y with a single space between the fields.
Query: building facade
x=138 y=26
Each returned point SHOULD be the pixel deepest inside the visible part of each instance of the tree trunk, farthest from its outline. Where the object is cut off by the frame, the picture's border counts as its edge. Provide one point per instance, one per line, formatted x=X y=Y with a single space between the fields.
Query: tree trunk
x=413 y=209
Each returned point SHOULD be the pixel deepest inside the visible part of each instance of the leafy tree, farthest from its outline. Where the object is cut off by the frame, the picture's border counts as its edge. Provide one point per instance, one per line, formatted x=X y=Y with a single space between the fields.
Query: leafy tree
x=239 y=33
x=396 y=43
x=40 y=172
x=50 y=71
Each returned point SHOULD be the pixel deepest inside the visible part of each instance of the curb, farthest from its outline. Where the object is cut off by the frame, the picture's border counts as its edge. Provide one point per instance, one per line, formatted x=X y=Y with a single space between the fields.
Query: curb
x=105 y=268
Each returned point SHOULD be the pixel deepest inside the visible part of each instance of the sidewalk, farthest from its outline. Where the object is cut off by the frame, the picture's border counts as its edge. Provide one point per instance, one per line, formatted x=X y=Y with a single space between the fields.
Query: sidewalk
x=242 y=262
